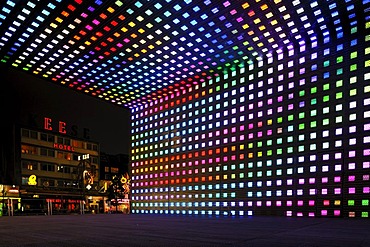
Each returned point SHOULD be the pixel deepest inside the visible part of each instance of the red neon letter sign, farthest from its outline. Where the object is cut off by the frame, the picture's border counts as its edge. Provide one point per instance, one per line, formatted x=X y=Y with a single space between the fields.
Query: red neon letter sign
x=47 y=124
x=62 y=127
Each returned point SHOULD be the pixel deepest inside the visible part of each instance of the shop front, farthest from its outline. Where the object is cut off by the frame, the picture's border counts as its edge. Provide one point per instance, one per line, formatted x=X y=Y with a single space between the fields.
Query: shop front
x=9 y=201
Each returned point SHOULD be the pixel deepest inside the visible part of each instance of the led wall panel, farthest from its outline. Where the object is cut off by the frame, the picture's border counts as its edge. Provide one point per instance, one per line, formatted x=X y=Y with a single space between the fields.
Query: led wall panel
x=238 y=107
x=132 y=52
x=284 y=135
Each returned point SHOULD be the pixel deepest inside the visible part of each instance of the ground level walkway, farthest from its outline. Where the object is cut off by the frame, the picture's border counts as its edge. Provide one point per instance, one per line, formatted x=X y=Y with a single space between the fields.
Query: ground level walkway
x=104 y=230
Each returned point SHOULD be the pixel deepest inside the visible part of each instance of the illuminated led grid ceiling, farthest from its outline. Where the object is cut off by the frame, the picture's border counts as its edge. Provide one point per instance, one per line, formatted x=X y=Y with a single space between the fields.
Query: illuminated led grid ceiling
x=133 y=52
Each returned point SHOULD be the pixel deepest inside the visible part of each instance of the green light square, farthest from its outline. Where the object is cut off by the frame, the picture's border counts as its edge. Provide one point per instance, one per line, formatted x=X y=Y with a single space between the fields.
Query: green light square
x=269 y=152
x=301 y=115
x=339 y=83
x=326 y=86
x=326 y=98
x=365 y=202
x=302 y=93
x=313 y=90
x=351 y=202
x=364 y=214
x=279 y=151
x=313 y=124
x=353 y=67
x=353 y=92
x=280 y=120
x=367 y=63
x=290 y=117
x=339 y=95
x=313 y=101
x=340 y=59
x=353 y=55
x=290 y=150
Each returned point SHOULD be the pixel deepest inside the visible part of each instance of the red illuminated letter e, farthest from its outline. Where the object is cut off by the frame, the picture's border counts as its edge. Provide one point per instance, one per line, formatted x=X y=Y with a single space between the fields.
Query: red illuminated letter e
x=47 y=124
x=62 y=127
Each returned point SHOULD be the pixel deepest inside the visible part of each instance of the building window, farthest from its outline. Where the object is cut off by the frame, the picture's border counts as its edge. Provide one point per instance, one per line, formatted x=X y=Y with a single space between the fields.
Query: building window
x=47 y=152
x=46 y=137
x=67 y=141
x=26 y=149
x=60 y=169
x=29 y=165
x=64 y=169
x=94 y=160
x=47 y=182
x=64 y=141
x=24 y=180
x=74 y=170
x=29 y=134
x=89 y=146
x=77 y=144
x=50 y=167
x=114 y=169
x=64 y=155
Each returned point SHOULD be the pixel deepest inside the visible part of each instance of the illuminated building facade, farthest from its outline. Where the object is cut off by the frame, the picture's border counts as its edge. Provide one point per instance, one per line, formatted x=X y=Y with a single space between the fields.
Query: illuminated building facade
x=60 y=174
x=238 y=107
x=284 y=135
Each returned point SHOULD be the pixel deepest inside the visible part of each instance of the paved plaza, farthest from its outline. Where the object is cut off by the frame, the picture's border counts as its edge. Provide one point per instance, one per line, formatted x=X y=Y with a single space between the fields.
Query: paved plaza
x=174 y=230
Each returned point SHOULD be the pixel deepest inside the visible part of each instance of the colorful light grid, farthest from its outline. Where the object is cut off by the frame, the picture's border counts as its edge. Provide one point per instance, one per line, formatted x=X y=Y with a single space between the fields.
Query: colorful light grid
x=134 y=52
x=286 y=135
x=238 y=108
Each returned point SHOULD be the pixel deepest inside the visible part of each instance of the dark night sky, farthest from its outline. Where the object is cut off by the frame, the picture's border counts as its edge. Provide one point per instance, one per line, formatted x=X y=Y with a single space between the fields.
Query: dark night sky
x=25 y=97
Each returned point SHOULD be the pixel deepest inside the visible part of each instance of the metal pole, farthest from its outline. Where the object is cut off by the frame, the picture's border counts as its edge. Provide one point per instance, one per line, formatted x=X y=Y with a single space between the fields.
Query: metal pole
x=3 y=202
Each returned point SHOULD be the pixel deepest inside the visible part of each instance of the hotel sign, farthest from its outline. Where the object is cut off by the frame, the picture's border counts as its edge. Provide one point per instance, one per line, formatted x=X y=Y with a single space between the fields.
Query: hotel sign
x=64 y=147
x=62 y=128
